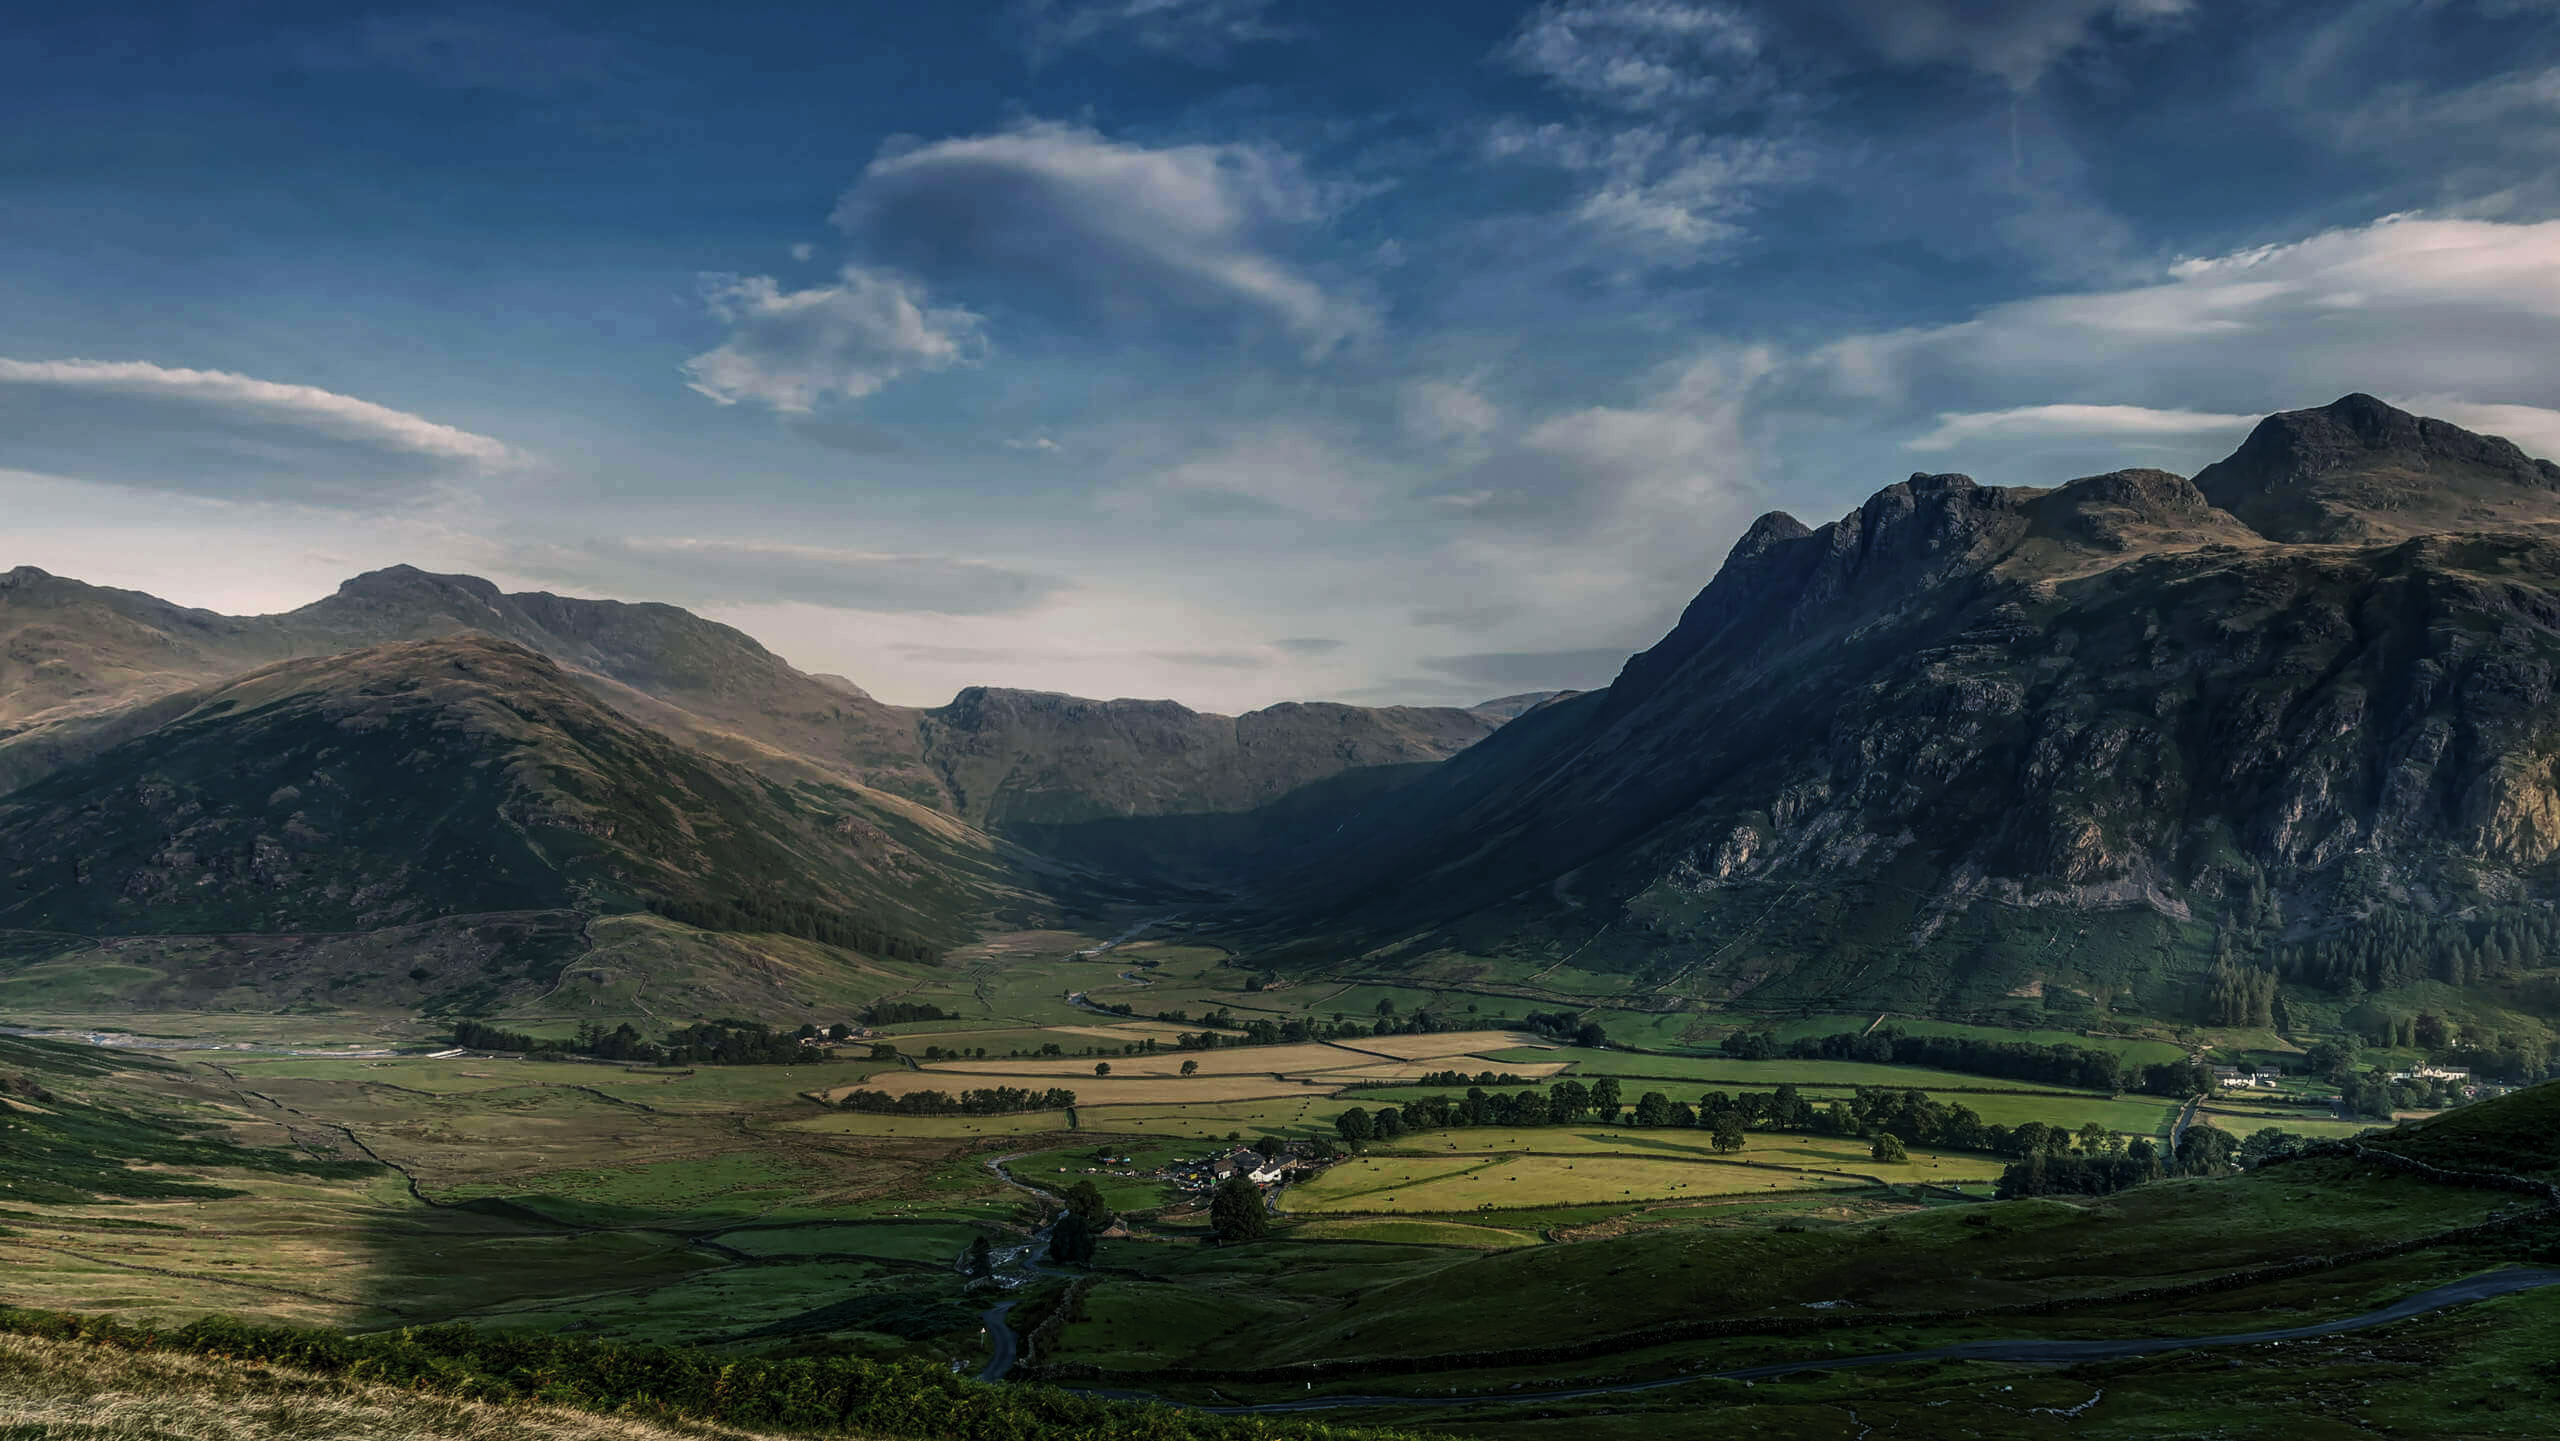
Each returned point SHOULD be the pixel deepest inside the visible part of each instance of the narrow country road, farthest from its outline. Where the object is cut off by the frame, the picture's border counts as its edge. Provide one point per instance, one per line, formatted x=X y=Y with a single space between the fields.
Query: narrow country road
x=1001 y=1346
x=2458 y=1293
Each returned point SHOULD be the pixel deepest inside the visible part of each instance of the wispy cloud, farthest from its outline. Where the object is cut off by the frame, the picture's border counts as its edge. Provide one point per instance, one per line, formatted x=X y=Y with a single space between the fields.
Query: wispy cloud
x=1640 y=54
x=1200 y=31
x=1666 y=195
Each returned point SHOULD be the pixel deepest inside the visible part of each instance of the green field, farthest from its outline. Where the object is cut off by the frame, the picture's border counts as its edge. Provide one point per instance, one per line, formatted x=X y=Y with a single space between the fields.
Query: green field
x=1720 y=1073
x=723 y=1207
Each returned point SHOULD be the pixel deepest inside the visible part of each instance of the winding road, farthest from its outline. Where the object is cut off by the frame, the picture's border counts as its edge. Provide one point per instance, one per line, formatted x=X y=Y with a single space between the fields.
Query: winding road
x=2458 y=1293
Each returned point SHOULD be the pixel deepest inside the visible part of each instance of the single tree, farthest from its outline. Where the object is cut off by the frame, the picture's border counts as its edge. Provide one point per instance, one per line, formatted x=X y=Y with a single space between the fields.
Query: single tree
x=1191 y=1068
x=1728 y=1134
x=1085 y=1203
x=1236 y=1212
x=1604 y=1099
x=982 y=1257
x=1354 y=1125
x=1267 y=1147
x=1070 y=1240
x=1888 y=1149
x=1102 y=1068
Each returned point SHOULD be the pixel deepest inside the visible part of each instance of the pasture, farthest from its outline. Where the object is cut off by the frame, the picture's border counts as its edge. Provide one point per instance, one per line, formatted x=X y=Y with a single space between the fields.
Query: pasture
x=1467 y=1183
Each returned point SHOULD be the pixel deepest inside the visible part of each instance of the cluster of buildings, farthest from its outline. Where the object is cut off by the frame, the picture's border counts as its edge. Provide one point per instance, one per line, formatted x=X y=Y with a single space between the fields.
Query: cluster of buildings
x=1212 y=1171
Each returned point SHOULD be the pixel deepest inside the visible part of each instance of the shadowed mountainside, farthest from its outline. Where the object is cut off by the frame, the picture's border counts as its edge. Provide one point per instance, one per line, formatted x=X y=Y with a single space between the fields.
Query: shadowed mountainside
x=1964 y=742
x=401 y=784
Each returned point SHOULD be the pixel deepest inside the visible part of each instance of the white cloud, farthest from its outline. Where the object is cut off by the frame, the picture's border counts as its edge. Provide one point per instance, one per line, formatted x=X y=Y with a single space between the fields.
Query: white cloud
x=304 y=405
x=234 y=436
x=1669 y=196
x=789 y=349
x=1056 y=218
x=1447 y=412
x=2403 y=305
x=2535 y=429
x=2122 y=423
x=1639 y=54
x=1202 y=31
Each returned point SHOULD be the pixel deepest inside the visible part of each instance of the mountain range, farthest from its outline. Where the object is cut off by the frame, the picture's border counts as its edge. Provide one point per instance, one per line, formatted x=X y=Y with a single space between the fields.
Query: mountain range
x=1963 y=748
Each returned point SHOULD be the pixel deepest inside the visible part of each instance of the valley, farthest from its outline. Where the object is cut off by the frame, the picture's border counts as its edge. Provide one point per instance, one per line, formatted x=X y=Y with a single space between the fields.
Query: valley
x=2112 y=914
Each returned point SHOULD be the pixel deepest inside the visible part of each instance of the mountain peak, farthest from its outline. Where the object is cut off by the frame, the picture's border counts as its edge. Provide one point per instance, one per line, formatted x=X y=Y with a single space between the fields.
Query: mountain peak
x=408 y=579
x=2359 y=469
x=1771 y=529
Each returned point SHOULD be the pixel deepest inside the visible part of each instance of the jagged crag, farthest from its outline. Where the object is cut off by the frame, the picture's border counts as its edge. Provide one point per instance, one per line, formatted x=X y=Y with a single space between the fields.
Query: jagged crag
x=2135 y=739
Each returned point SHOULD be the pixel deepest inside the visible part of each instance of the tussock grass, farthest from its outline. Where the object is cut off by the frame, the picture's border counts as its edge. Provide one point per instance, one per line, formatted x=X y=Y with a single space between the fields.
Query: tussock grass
x=68 y=1391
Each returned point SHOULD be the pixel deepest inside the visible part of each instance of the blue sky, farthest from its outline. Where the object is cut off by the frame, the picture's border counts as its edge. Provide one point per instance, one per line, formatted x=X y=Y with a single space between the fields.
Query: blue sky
x=1226 y=350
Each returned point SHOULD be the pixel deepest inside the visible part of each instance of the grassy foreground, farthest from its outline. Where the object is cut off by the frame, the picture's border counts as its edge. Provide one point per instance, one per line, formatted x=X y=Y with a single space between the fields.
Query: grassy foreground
x=72 y=1391
x=311 y=1372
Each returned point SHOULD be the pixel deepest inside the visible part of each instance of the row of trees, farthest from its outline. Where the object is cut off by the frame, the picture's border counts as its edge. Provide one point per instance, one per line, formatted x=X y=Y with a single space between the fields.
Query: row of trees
x=992 y=1101
x=2084 y=1067
x=899 y=1013
x=723 y=1042
x=765 y=912
x=1910 y=1117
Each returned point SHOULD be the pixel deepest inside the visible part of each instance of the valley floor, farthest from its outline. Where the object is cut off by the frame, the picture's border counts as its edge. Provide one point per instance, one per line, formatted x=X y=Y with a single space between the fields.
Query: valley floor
x=323 y=1173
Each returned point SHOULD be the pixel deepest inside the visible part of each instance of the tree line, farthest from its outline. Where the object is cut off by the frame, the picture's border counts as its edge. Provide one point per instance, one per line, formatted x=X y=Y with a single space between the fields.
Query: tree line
x=764 y=912
x=1910 y=1117
x=899 y=1013
x=2080 y=1067
x=723 y=1042
x=991 y=1101
x=2391 y=946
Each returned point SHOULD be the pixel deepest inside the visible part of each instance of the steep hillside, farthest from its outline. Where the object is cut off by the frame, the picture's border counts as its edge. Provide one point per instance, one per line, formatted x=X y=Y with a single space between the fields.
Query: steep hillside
x=404 y=784
x=1966 y=744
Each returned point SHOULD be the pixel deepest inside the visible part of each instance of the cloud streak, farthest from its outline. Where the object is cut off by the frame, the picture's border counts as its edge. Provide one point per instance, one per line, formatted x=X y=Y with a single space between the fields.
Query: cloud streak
x=218 y=433
x=2132 y=423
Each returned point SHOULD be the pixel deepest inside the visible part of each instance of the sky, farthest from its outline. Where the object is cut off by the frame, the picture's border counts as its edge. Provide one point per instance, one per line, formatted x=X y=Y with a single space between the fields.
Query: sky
x=1227 y=351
